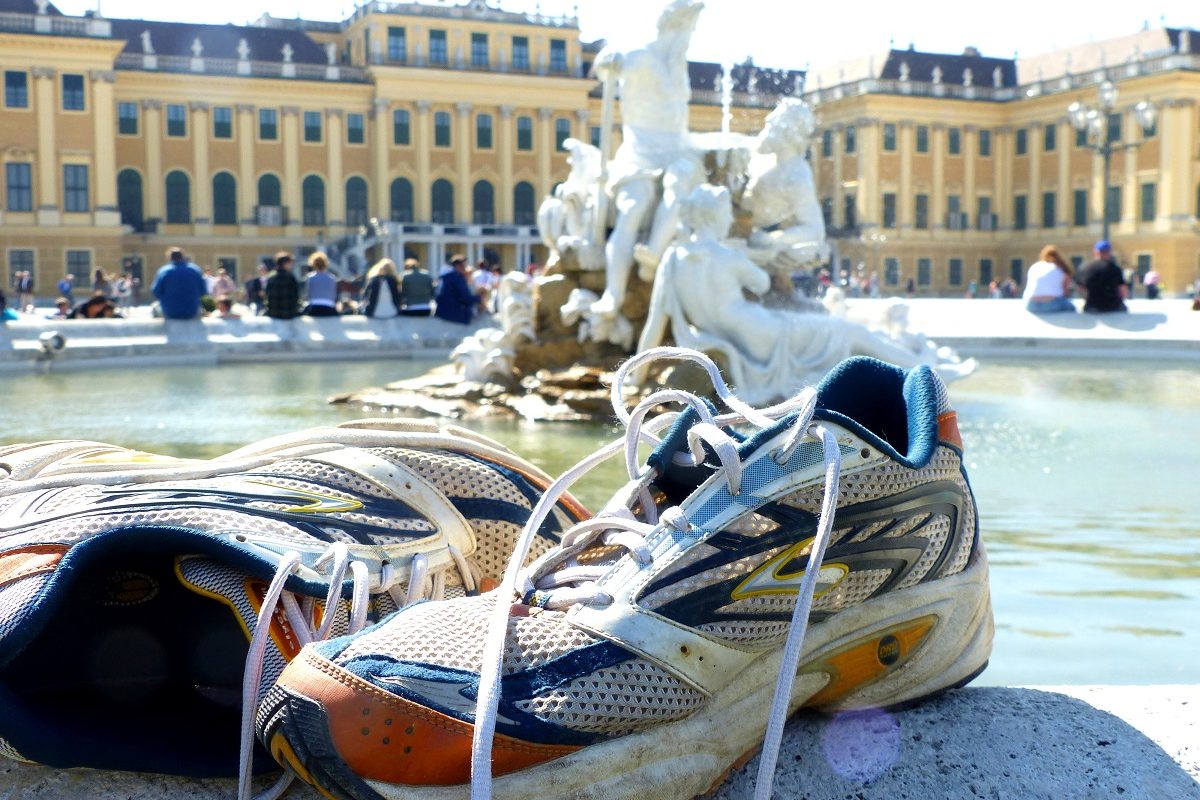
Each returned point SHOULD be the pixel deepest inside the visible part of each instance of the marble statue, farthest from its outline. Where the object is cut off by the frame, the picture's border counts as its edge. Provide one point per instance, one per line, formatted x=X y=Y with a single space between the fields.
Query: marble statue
x=718 y=223
x=488 y=354
x=566 y=218
x=700 y=295
x=997 y=78
x=243 y=50
x=147 y=45
x=904 y=71
x=654 y=90
x=197 y=48
x=789 y=229
x=330 y=53
x=937 y=75
x=968 y=78
x=287 y=52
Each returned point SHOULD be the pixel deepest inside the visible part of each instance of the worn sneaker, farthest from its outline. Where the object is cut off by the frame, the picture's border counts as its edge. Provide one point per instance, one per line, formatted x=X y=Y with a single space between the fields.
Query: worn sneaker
x=830 y=560
x=130 y=584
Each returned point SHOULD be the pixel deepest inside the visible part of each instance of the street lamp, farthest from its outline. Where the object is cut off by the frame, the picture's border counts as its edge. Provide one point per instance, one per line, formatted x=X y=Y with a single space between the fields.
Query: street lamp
x=1093 y=123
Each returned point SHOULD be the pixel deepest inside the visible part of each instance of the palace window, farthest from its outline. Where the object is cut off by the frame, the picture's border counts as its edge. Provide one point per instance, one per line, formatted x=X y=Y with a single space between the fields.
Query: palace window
x=402 y=200
x=1049 y=209
x=18 y=178
x=479 y=50
x=524 y=133
x=268 y=124
x=484 y=201
x=127 y=118
x=922 y=138
x=75 y=187
x=921 y=212
x=558 y=55
x=524 y=212
x=889 y=137
x=985 y=271
x=1022 y=141
x=129 y=198
x=269 y=191
x=356 y=201
x=1020 y=208
x=520 y=52
x=954 y=141
x=176 y=120
x=355 y=129
x=1114 y=204
x=73 y=96
x=483 y=131
x=442 y=197
x=401 y=127
x=924 y=271
x=437 y=47
x=851 y=139
x=224 y=199
x=79 y=264
x=441 y=128
x=1149 y=202
x=562 y=132
x=16 y=90
x=891 y=271
x=956 y=272
x=1049 y=138
x=312 y=194
x=312 y=126
x=1081 y=207
x=397 y=45
x=826 y=143
x=179 y=198
x=985 y=143
x=222 y=122
x=889 y=209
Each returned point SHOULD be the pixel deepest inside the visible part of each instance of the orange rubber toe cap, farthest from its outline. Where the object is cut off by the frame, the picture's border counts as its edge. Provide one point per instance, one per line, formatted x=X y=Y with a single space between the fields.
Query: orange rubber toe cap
x=383 y=737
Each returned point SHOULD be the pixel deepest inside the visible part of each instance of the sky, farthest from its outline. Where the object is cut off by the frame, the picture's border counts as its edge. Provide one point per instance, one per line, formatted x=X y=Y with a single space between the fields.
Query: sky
x=776 y=33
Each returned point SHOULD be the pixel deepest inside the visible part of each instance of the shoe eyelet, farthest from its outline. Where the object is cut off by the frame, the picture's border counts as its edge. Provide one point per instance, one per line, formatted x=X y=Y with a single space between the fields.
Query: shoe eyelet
x=864 y=453
x=775 y=456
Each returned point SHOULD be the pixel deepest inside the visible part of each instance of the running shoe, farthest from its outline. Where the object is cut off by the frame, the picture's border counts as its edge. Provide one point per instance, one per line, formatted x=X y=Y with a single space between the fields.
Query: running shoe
x=823 y=553
x=132 y=585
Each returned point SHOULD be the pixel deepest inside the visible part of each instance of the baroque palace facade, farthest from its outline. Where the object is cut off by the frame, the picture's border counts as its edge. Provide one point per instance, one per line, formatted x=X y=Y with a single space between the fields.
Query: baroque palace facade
x=446 y=122
x=122 y=137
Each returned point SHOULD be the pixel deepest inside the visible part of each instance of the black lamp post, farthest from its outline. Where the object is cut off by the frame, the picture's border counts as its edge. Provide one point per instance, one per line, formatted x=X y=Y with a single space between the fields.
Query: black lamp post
x=1094 y=123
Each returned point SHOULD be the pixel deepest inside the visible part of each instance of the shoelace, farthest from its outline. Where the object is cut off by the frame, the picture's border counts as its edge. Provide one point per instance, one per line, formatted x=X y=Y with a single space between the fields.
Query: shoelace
x=617 y=526
x=300 y=613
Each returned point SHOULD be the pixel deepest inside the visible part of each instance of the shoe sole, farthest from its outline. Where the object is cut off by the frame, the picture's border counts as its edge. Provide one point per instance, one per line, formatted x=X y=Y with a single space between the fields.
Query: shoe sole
x=889 y=651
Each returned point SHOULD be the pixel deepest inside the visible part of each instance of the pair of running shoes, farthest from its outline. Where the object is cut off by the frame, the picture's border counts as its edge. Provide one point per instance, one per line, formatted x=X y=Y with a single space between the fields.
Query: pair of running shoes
x=393 y=609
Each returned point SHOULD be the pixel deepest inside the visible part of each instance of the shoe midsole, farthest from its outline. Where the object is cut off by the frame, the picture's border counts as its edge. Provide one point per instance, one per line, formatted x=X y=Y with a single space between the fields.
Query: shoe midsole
x=685 y=758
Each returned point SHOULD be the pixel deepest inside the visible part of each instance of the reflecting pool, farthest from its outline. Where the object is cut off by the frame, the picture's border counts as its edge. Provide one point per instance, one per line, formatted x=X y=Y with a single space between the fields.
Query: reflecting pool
x=1085 y=477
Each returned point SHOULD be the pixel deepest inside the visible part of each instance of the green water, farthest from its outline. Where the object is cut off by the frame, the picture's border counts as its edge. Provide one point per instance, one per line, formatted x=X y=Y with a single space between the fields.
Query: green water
x=1085 y=478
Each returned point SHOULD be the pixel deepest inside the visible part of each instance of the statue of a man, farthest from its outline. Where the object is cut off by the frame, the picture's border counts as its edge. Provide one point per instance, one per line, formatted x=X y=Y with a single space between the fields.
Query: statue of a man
x=147 y=45
x=789 y=230
x=654 y=90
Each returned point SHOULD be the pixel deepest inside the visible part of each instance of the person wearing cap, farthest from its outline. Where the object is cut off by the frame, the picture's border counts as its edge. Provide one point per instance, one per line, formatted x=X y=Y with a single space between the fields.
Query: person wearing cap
x=281 y=295
x=178 y=286
x=1102 y=281
x=455 y=300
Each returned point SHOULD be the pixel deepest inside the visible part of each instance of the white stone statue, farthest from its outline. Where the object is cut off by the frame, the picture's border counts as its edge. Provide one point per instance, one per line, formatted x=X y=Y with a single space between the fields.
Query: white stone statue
x=42 y=6
x=789 y=229
x=904 y=71
x=968 y=77
x=147 y=45
x=937 y=75
x=1185 y=40
x=287 y=52
x=565 y=219
x=592 y=326
x=997 y=78
x=197 y=48
x=652 y=83
x=488 y=354
x=700 y=292
x=243 y=50
x=330 y=53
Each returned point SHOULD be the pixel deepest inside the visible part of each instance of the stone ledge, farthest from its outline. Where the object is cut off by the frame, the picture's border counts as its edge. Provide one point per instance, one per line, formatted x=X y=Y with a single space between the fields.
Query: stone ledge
x=1054 y=743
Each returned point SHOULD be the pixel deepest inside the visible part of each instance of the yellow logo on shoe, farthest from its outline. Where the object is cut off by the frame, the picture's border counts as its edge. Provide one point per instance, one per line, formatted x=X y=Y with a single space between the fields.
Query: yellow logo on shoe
x=770 y=578
x=318 y=503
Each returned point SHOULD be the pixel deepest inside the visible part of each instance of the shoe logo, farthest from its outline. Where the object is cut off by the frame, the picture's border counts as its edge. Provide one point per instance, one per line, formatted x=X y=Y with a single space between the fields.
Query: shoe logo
x=123 y=588
x=317 y=503
x=770 y=578
x=447 y=694
x=888 y=650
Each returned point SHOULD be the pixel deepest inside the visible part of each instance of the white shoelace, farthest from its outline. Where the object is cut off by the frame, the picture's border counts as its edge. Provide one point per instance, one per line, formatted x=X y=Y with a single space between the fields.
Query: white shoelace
x=562 y=582
x=300 y=613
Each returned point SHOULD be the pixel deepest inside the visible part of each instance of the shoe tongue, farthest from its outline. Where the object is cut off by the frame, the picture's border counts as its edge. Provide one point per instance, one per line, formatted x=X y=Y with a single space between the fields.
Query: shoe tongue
x=243 y=595
x=675 y=480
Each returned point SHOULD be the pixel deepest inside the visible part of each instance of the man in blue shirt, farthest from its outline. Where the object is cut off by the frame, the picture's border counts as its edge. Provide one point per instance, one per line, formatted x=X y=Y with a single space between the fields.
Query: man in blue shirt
x=455 y=300
x=179 y=285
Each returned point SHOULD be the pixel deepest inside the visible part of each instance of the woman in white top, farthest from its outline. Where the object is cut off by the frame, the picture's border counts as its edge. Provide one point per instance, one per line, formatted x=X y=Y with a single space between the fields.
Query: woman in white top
x=1048 y=285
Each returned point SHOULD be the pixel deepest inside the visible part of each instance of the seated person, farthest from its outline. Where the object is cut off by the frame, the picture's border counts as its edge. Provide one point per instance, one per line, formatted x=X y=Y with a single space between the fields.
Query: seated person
x=1048 y=284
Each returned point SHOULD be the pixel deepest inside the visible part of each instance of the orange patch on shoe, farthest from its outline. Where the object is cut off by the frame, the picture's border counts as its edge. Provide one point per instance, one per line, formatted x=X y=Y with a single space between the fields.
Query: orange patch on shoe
x=948 y=429
x=383 y=737
x=26 y=561
x=868 y=660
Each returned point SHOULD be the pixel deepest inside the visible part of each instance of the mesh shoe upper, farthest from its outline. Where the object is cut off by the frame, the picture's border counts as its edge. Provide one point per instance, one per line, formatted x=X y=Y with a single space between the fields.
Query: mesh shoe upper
x=722 y=589
x=133 y=581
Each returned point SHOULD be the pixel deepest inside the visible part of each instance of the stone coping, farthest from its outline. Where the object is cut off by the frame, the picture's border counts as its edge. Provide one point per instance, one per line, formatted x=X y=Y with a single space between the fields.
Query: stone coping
x=1045 y=743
